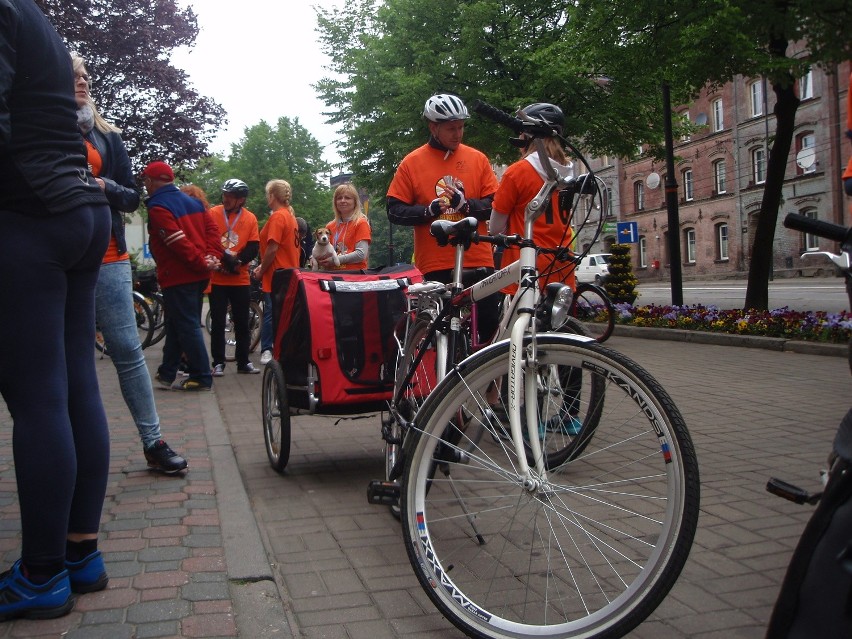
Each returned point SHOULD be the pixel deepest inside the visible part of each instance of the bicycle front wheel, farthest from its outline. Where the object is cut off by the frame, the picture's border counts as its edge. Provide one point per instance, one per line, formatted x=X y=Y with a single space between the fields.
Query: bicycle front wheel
x=588 y=550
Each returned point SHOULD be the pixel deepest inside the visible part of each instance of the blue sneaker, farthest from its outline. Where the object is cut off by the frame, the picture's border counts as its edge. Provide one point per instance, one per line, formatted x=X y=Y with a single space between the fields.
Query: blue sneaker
x=88 y=574
x=19 y=597
x=564 y=424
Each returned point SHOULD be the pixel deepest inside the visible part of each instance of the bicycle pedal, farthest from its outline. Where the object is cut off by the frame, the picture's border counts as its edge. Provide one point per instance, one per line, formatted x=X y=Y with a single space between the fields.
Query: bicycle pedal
x=790 y=492
x=383 y=493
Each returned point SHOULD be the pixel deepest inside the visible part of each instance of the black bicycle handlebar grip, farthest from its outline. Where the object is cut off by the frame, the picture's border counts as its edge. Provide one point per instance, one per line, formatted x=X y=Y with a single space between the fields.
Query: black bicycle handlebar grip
x=499 y=116
x=821 y=228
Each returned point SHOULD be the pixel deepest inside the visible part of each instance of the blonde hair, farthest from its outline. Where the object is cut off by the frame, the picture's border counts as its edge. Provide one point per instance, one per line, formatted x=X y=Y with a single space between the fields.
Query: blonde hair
x=351 y=190
x=280 y=190
x=197 y=192
x=79 y=66
x=553 y=148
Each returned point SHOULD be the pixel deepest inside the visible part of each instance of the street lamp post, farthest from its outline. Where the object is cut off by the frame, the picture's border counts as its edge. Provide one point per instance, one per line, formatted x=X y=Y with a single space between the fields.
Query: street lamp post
x=671 y=186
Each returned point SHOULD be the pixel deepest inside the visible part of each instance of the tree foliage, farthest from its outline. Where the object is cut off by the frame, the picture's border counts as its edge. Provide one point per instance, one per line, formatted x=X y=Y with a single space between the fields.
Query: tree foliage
x=285 y=151
x=389 y=56
x=126 y=45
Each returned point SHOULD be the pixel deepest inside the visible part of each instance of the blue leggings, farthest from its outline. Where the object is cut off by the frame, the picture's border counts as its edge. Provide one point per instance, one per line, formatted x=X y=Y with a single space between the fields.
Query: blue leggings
x=60 y=435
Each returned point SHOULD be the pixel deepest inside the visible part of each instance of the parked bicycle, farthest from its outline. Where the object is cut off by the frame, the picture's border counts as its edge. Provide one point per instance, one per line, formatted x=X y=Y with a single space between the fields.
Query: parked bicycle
x=548 y=485
x=815 y=595
x=144 y=323
x=593 y=308
x=145 y=282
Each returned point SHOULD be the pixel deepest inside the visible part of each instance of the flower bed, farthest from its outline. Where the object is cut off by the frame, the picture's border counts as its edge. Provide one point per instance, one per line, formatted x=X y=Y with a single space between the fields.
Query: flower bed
x=815 y=326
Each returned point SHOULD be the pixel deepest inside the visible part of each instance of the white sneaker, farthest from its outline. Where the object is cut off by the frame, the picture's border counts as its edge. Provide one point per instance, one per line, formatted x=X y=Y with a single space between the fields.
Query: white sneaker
x=265 y=357
x=219 y=370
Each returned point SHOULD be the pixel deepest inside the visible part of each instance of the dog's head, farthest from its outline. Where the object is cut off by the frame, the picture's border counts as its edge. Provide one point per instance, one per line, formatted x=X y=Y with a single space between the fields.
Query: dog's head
x=322 y=235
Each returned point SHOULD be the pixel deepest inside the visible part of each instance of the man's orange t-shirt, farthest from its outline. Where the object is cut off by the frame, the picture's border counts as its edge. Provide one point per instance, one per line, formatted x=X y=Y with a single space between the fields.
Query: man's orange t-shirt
x=234 y=232
x=417 y=182
x=344 y=237
x=520 y=184
x=281 y=228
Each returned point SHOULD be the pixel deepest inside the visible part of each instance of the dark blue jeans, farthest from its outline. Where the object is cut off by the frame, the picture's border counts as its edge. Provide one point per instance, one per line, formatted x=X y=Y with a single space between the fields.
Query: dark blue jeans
x=60 y=436
x=183 y=333
x=239 y=298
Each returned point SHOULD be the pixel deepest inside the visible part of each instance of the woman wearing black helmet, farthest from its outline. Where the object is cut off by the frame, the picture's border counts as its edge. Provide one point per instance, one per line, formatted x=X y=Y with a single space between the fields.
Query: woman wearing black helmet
x=520 y=184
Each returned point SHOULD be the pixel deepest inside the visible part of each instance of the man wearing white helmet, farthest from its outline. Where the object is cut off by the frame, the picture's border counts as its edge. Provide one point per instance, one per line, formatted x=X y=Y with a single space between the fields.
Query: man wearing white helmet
x=445 y=179
x=240 y=238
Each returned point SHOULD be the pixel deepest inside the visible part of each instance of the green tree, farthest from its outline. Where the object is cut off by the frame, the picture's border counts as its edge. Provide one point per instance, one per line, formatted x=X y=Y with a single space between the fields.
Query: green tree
x=126 y=45
x=285 y=151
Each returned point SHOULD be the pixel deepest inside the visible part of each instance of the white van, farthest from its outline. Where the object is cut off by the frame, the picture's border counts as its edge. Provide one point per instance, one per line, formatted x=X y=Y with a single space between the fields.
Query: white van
x=593 y=268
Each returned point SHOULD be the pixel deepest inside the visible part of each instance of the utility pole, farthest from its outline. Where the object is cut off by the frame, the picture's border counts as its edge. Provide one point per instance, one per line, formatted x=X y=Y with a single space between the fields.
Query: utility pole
x=671 y=204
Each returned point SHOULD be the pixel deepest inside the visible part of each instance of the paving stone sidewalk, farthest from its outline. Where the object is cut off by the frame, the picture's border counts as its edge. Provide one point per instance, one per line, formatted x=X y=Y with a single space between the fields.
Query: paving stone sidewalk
x=234 y=549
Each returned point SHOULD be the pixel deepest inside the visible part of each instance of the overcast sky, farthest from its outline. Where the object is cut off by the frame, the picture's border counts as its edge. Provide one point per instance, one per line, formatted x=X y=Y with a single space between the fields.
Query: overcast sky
x=258 y=60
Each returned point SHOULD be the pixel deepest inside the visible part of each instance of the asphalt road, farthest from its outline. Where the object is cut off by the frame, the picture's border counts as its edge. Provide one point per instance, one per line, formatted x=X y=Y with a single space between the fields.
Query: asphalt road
x=799 y=294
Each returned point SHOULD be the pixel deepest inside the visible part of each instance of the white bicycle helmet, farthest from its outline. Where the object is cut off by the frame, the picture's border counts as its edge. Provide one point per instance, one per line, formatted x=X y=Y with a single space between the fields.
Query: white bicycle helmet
x=235 y=187
x=445 y=108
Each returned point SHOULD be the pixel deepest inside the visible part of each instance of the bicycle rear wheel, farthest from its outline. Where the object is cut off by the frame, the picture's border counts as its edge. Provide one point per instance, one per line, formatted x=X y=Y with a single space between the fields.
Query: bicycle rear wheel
x=144 y=319
x=592 y=307
x=591 y=549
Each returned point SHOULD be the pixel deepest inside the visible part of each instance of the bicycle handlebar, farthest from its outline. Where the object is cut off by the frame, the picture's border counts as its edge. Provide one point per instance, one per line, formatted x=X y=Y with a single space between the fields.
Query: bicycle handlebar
x=535 y=128
x=821 y=228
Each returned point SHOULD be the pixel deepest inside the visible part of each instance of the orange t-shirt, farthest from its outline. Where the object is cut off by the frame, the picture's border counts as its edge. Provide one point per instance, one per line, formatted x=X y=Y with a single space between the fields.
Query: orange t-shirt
x=344 y=237
x=417 y=182
x=281 y=228
x=520 y=184
x=95 y=166
x=238 y=230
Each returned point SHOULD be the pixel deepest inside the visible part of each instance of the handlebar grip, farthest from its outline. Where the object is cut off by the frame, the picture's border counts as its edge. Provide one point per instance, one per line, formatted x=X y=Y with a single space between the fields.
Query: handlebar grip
x=498 y=116
x=821 y=228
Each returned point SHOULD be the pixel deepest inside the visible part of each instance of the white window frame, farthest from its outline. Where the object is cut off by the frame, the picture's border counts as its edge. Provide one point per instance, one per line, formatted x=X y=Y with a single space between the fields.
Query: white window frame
x=722 y=238
x=639 y=195
x=755 y=91
x=687 y=137
x=719 y=177
x=688 y=185
x=806 y=86
x=718 y=115
x=811 y=241
x=689 y=239
x=758 y=165
x=810 y=139
x=643 y=253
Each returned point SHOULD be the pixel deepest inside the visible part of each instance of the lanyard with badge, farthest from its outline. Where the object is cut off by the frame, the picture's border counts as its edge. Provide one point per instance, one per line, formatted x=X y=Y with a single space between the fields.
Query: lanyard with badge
x=230 y=238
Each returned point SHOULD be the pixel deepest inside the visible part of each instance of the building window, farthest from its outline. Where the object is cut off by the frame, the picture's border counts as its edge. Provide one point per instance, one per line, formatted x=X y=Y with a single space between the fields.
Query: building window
x=806 y=86
x=643 y=253
x=685 y=115
x=689 y=240
x=719 y=177
x=758 y=165
x=722 y=241
x=718 y=115
x=755 y=91
x=811 y=241
x=688 y=193
x=638 y=196
x=803 y=142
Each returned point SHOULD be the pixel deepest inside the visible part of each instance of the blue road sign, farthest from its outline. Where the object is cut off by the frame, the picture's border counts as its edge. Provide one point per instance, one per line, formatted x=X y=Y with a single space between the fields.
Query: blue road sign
x=628 y=232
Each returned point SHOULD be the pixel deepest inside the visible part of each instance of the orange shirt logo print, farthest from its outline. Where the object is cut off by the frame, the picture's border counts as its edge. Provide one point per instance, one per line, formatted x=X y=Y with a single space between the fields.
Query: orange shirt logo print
x=444 y=190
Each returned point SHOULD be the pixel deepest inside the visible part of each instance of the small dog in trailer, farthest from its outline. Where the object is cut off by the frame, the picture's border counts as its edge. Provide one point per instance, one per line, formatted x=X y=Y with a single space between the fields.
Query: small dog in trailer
x=323 y=249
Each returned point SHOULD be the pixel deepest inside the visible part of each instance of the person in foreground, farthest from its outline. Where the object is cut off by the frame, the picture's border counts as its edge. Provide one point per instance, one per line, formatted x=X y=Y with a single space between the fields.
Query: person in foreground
x=280 y=247
x=185 y=245
x=55 y=224
x=445 y=179
x=350 y=231
x=114 y=311
x=231 y=284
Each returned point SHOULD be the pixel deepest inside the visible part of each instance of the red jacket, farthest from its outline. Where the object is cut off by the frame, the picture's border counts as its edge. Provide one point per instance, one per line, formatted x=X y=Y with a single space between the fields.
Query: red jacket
x=181 y=234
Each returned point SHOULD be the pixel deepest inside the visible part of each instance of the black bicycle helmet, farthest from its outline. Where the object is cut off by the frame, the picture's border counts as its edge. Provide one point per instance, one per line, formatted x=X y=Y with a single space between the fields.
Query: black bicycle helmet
x=546 y=112
x=445 y=108
x=235 y=187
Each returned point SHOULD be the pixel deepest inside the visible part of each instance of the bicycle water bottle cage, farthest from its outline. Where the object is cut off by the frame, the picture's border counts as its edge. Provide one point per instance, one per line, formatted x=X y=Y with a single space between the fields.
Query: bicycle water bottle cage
x=444 y=230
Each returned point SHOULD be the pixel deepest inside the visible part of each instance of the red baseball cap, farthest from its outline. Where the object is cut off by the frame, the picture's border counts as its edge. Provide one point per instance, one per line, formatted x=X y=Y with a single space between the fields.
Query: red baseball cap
x=159 y=171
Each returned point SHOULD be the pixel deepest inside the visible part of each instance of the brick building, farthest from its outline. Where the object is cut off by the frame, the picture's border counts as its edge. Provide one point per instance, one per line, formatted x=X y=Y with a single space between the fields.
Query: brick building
x=721 y=168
